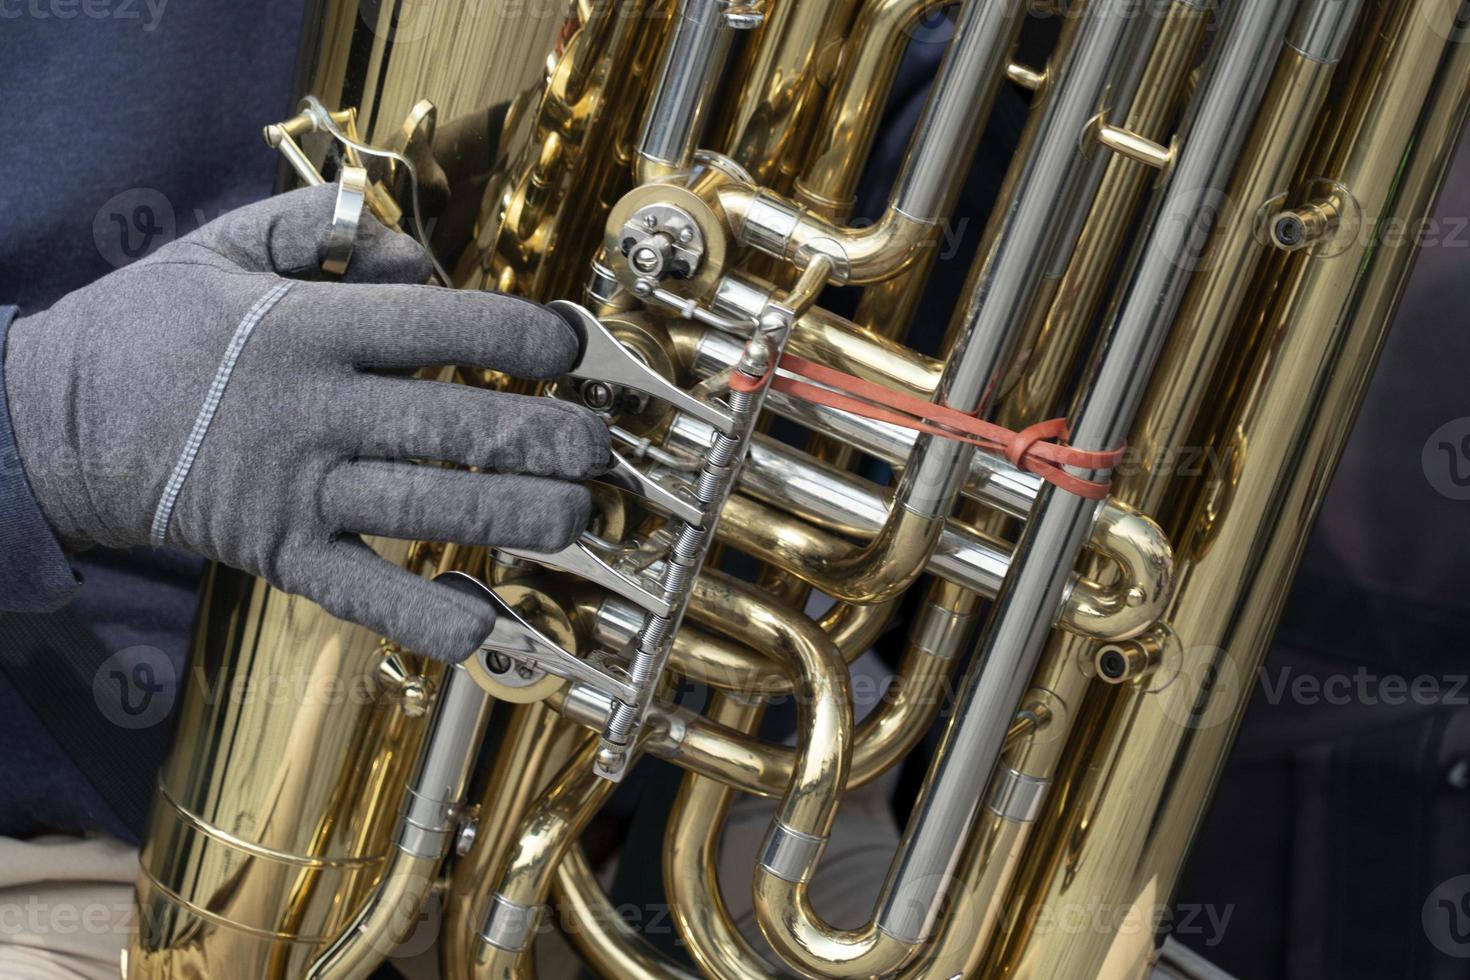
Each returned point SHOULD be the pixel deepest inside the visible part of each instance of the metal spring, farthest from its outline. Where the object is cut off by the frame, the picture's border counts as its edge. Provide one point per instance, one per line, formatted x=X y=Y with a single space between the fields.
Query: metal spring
x=687 y=548
x=713 y=479
x=676 y=576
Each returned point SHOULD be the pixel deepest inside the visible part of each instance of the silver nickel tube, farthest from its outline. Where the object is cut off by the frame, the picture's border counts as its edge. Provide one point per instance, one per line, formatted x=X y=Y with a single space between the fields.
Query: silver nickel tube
x=993 y=480
x=1033 y=593
x=691 y=68
x=953 y=118
x=1003 y=282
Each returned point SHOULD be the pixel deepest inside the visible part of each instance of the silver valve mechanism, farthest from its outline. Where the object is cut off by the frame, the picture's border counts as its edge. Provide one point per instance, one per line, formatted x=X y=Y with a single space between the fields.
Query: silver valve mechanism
x=605 y=359
x=625 y=476
x=518 y=640
x=580 y=560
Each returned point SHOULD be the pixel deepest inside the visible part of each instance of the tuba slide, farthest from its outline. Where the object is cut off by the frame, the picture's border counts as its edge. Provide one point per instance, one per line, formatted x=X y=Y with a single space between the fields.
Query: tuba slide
x=1193 y=252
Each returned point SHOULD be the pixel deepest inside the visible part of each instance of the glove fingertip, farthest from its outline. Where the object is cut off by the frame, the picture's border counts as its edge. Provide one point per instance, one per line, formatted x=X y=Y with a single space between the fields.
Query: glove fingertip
x=569 y=516
x=558 y=343
x=455 y=641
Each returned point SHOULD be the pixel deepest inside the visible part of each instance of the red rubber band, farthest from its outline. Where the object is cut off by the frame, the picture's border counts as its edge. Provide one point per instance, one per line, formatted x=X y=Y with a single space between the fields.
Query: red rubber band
x=1037 y=448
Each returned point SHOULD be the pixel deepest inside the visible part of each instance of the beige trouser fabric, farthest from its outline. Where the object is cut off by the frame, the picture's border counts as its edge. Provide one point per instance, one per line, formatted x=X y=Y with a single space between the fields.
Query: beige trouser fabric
x=66 y=907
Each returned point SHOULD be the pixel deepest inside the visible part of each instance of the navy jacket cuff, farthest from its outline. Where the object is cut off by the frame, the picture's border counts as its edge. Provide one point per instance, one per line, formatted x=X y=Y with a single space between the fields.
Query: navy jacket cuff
x=35 y=575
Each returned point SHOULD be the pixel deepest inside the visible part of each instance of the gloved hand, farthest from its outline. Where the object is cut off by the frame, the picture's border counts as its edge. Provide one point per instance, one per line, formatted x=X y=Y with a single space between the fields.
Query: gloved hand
x=214 y=397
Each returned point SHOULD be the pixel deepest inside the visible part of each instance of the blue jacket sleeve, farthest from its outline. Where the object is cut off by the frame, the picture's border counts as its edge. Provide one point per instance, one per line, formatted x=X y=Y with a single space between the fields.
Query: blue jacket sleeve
x=35 y=575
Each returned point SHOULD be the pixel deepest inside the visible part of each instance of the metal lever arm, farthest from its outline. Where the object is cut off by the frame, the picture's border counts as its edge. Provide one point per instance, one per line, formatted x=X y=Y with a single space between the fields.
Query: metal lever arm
x=578 y=559
x=523 y=643
x=625 y=476
x=604 y=358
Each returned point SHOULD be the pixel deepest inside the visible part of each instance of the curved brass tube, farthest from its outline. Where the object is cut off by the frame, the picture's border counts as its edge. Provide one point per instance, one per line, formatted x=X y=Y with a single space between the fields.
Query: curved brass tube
x=708 y=658
x=384 y=921
x=879 y=571
x=1139 y=595
x=427 y=828
x=611 y=947
x=888 y=732
x=691 y=863
x=860 y=255
x=550 y=827
x=825 y=703
x=536 y=744
x=805 y=813
x=1122 y=608
x=874 y=50
x=720 y=662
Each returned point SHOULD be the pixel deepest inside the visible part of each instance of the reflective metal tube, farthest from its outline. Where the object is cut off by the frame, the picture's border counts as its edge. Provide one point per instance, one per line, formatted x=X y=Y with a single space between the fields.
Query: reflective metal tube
x=1003 y=282
x=1312 y=343
x=1052 y=540
x=924 y=193
x=691 y=67
x=999 y=293
x=429 y=822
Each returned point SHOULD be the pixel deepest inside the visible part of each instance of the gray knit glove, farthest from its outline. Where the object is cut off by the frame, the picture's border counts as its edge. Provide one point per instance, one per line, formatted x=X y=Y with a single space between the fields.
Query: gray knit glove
x=213 y=397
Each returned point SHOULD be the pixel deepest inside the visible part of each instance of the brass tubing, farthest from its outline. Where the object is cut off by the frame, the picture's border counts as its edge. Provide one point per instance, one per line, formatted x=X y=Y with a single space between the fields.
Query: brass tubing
x=1117 y=608
x=386 y=920
x=609 y=945
x=871 y=58
x=888 y=307
x=1001 y=289
x=549 y=828
x=691 y=863
x=1053 y=337
x=824 y=704
x=924 y=192
x=887 y=733
x=535 y=745
x=719 y=661
x=1291 y=105
x=829 y=339
x=970 y=756
x=792 y=60
x=1160 y=752
x=427 y=830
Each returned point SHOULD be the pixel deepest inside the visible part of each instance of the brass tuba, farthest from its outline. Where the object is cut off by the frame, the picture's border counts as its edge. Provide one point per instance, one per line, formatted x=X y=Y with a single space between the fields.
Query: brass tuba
x=1189 y=251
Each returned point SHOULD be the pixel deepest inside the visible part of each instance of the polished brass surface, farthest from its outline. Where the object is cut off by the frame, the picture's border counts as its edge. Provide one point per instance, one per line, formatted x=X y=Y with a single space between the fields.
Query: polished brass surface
x=1159 y=751
x=273 y=833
